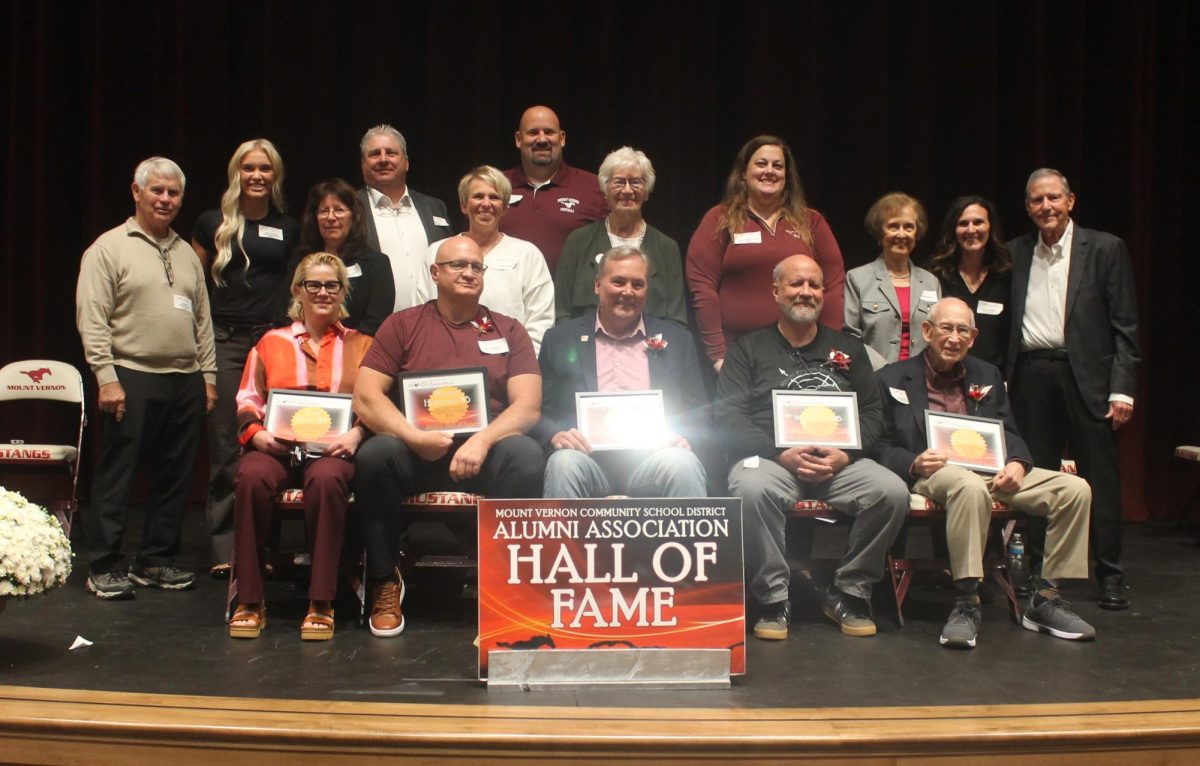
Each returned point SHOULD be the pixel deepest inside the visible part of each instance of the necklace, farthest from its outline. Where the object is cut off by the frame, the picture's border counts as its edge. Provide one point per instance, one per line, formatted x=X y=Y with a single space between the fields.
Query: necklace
x=973 y=283
x=894 y=275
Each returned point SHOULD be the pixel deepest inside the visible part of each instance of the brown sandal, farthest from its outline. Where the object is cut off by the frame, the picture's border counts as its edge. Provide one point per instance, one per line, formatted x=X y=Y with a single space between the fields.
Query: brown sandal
x=255 y=617
x=318 y=624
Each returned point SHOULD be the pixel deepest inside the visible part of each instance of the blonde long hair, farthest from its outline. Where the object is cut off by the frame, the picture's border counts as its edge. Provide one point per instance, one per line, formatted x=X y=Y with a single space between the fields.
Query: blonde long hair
x=233 y=220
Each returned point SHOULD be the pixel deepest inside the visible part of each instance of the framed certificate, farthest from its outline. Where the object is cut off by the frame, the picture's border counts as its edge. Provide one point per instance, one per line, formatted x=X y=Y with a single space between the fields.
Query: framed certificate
x=613 y=420
x=311 y=419
x=816 y=419
x=453 y=401
x=975 y=443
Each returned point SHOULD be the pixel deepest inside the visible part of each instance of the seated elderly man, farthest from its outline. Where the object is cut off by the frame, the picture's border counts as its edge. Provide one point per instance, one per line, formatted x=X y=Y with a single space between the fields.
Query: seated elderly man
x=616 y=347
x=799 y=354
x=945 y=379
x=449 y=332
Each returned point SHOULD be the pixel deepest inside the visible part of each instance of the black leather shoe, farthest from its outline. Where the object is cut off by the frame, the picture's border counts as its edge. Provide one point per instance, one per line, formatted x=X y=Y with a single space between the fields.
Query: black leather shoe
x=1112 y=596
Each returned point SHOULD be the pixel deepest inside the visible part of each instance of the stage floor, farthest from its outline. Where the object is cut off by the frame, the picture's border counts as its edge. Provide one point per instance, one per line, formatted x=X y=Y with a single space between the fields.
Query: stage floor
x=176 y=643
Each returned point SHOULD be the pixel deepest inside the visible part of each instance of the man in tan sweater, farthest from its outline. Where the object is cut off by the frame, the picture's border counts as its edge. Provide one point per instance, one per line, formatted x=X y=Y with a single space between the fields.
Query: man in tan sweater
x=141 y=306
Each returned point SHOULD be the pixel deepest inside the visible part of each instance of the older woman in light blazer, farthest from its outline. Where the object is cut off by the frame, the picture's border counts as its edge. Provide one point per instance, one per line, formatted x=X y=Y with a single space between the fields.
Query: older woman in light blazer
x=889 y=298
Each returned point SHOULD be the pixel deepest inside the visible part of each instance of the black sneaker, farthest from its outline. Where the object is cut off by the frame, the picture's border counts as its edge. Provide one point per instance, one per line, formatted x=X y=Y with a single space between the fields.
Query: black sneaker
x=962 y=626
x=165 y=577
x=852 y=614
x=110 y=586
x=1055 y=616
x=773 y=624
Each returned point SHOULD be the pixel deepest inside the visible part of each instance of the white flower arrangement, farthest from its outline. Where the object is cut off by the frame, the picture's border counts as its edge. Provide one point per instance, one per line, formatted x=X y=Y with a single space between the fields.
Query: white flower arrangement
x=35 y=555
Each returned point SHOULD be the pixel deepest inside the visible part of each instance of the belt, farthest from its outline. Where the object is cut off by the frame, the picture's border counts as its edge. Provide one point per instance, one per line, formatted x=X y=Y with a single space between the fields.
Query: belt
x=1044 y=354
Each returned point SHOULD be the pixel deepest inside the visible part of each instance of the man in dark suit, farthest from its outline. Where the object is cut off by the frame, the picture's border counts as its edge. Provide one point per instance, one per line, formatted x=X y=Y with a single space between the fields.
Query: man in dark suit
x=944 y=379
x=618 y=348
x=401 y=222
x=1073 y=356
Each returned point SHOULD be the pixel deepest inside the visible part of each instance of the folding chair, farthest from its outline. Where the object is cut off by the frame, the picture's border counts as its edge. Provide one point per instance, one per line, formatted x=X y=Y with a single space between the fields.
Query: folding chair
x=21 y=448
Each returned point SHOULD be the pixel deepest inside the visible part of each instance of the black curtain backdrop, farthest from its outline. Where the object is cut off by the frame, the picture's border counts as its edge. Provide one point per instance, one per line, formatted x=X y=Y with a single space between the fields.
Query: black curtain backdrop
x=933 y=98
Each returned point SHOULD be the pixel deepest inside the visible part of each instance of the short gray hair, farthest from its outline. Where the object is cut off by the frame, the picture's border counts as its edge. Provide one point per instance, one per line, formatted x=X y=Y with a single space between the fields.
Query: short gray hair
x=621 y=253
x=383 y=129
x=623 y=157
x=1041 y=173
x=160 y=167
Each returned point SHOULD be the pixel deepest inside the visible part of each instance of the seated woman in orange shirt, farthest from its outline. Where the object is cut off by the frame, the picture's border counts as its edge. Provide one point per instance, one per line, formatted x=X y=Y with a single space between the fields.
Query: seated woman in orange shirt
x=316 y=352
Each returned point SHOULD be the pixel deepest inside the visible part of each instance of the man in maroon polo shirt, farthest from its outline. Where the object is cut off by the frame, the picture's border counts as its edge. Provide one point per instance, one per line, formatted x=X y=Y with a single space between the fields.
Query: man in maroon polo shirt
x=451 y=331
x=550 y=199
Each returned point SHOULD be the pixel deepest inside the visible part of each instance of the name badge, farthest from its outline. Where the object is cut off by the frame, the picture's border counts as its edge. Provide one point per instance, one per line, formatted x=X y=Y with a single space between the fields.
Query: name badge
x=497 y=346
x=515 y=198
x=750 y=462
x=354 y=271
x=598 y=257
x=747 y=238
x=929 y=296
x=439 y=221
x=990 y=308
x=503 y=264
x=270 y=232
x=899 y=395
x=183 y=303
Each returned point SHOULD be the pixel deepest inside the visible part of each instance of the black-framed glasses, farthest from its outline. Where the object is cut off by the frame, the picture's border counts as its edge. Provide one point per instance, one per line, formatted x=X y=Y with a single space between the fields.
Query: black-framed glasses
x=313 y=287
x=168 y=269
x=460 y=266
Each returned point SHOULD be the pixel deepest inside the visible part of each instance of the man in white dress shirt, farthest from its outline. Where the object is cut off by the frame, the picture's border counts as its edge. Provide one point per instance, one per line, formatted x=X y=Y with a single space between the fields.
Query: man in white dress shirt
x=1073 y=356
x=401 y=222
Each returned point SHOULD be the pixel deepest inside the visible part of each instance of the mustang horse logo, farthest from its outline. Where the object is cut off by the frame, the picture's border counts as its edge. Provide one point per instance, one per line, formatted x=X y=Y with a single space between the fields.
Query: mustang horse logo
x=37 y=375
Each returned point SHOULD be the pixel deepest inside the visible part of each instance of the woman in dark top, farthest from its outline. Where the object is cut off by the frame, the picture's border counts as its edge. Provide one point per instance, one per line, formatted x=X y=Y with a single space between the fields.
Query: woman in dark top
x=335 y=222
x=246 y=246
x=972 y=263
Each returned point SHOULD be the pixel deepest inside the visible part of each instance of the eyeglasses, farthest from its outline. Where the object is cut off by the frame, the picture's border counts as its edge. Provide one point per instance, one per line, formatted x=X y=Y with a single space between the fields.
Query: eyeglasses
x=336 y=212
x=955 y=329
x=313 y=287
x=459 y=266
x=167 y=267
x=617 y=184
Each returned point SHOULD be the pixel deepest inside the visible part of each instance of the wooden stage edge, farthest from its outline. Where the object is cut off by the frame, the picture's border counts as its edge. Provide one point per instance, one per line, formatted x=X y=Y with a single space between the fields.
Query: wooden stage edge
x=63 y=726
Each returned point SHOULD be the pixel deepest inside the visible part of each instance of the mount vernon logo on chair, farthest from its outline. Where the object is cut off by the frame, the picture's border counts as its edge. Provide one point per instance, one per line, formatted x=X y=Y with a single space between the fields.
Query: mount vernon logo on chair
x=36 y=376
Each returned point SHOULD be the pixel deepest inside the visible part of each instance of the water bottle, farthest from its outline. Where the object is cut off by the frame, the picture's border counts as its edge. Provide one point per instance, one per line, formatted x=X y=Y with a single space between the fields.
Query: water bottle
x=1018 y=567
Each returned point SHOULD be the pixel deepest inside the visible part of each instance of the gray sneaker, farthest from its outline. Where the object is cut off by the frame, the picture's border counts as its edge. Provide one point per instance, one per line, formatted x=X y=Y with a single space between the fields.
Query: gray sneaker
x=110 y=586
x=852 y=614
x=962 y=626
x=165 y=577
x=1055 y=616
x=773 y=624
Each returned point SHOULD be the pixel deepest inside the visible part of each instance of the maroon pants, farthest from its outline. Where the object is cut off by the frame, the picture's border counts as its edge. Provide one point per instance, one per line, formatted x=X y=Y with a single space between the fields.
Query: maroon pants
x=260 y=478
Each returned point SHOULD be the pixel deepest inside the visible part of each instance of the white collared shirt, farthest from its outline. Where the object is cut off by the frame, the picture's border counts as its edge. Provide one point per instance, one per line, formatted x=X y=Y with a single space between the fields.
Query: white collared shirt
x=1045 y=321
x=402 y=239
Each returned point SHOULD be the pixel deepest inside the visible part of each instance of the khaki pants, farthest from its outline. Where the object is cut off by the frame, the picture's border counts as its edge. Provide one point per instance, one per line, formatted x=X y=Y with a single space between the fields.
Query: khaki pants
x=1064 y=500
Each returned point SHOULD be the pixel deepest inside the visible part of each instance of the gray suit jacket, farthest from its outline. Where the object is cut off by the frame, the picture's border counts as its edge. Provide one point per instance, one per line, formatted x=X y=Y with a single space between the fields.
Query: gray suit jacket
x=873 y=312
x=1101 y=315
x=427 y=207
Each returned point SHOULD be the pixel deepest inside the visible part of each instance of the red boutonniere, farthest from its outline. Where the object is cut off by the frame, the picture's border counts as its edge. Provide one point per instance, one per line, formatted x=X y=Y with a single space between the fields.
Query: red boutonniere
x=484 y=325
x=656 y=343
x=839 y=360
x=978 y=392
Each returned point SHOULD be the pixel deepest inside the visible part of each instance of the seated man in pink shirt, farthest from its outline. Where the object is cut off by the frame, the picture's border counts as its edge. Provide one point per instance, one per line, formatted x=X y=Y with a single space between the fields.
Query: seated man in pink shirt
x=618 y=348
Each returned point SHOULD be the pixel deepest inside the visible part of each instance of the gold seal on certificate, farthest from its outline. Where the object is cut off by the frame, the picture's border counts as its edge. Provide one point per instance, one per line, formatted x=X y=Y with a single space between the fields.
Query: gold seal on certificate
x=816 y=419
x=452 y=401
x=312 y=419
x=971 y=442
x=616 y=420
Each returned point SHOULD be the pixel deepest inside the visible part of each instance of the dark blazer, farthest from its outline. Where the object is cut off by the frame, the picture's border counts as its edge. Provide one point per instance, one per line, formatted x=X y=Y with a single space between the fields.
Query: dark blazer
x=1101 y=315
x=427 y=207
x=904 y=433
x=568 y=362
